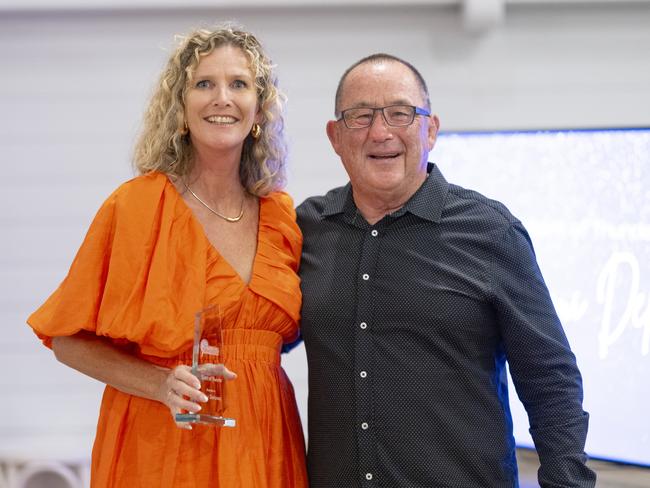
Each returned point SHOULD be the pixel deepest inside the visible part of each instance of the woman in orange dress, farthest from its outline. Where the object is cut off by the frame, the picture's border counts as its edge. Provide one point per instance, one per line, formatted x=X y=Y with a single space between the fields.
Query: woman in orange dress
x=204 y=224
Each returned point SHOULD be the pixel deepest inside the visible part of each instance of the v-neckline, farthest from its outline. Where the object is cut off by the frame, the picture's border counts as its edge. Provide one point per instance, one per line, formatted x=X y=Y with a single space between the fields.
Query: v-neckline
x=194 y=218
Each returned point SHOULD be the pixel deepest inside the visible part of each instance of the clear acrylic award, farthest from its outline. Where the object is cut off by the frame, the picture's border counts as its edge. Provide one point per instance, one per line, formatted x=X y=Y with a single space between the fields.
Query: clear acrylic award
x=206 y=356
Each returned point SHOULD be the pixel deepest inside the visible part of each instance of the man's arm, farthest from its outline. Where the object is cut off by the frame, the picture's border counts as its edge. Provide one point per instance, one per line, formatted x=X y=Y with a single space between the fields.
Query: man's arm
x=543 y=368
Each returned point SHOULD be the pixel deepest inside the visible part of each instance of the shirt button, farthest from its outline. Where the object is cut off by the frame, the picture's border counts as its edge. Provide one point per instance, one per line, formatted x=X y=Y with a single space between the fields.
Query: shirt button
x=364 y=425
x=366 y=276
x=363 y=325
x=363 y=374
x=374 y=233
x=368 y=476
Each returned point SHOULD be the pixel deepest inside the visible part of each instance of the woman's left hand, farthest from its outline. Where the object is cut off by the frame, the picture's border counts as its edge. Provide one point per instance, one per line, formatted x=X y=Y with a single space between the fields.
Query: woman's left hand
x=181 y=390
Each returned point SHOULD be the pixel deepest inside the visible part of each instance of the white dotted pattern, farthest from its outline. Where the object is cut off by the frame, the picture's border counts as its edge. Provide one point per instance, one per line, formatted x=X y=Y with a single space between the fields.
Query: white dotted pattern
x=455 y=289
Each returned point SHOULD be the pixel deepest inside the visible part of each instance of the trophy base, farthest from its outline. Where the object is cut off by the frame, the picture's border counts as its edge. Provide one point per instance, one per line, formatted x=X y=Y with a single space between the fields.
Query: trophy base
x=201 y=418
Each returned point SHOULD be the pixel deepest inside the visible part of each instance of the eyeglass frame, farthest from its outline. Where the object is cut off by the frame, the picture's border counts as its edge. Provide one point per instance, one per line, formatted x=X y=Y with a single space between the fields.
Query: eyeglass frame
x=416 y=111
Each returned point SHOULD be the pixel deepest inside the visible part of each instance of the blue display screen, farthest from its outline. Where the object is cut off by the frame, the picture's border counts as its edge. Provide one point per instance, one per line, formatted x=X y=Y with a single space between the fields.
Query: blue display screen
x=584 y=197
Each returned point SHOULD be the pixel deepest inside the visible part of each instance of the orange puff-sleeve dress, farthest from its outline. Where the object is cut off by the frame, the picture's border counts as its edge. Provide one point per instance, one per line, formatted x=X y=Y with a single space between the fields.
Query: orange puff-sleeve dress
x=143 y=270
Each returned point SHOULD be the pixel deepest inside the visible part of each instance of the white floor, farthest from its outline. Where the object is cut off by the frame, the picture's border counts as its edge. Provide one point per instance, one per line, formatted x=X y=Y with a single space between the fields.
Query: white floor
x=610 y=475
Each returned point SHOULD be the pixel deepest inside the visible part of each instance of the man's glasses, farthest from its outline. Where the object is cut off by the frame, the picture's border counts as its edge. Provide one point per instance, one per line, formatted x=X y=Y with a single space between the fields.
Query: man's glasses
x=394 y=115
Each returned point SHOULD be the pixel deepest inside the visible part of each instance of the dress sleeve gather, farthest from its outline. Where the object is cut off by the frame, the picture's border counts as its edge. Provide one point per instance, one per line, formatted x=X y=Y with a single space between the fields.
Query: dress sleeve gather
x=138 y=276
x=280 y=246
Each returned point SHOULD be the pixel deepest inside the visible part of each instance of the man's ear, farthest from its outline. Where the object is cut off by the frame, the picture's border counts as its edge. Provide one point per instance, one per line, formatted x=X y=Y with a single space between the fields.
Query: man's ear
x=434 y=126
x=334 y=135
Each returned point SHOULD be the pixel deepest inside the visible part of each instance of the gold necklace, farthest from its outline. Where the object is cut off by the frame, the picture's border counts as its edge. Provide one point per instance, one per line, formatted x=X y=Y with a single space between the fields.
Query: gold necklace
x=225 y=217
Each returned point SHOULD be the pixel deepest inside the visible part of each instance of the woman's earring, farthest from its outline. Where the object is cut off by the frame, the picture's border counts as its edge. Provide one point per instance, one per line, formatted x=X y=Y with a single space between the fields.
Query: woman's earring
x=185 y=130
x=256 y=130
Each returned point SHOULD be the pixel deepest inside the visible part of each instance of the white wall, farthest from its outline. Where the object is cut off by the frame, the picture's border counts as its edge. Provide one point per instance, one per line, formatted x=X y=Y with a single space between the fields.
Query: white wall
x=74 y=84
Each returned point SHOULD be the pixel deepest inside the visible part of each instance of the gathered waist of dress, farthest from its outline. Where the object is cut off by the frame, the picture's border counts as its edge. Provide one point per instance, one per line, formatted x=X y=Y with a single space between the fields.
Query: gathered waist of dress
x=238 y=344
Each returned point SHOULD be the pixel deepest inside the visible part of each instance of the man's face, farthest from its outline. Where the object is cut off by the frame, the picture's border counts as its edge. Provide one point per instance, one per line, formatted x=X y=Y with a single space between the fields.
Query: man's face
x=380 y=159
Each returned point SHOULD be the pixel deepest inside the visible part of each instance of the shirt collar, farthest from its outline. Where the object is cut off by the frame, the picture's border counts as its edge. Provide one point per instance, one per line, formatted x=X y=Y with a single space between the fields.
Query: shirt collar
x=427 y=202
x=338 y=200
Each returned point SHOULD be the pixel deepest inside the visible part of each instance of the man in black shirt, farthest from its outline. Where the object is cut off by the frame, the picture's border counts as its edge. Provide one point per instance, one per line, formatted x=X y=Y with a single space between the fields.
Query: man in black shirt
x=416 y=292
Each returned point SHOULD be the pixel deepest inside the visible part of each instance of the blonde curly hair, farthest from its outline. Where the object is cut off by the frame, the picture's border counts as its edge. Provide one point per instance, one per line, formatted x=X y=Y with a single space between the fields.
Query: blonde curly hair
x=164 y=144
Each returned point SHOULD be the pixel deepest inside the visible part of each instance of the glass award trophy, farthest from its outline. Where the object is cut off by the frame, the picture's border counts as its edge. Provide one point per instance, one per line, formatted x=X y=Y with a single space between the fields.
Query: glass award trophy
x=206 y=356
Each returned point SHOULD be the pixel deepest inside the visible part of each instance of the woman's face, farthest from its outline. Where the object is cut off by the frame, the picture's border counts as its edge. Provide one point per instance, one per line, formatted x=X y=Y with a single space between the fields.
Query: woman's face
x=221 y=102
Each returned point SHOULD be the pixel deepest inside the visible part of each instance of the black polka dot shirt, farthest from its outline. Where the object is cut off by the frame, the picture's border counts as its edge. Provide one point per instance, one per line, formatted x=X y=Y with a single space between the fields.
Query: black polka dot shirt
x=408 y=324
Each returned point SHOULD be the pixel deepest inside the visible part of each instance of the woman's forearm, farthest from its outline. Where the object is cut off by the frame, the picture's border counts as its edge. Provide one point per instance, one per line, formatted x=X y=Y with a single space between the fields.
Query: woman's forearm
x=98 y=358
x=177 y=388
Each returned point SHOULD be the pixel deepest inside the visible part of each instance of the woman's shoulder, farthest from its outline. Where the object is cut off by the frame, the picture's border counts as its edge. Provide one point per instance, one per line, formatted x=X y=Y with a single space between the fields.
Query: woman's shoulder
x=282 y=203
x=278 y=218
x=281 y=198
x=144 y=199
x=141 y=186
x=143 y=193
